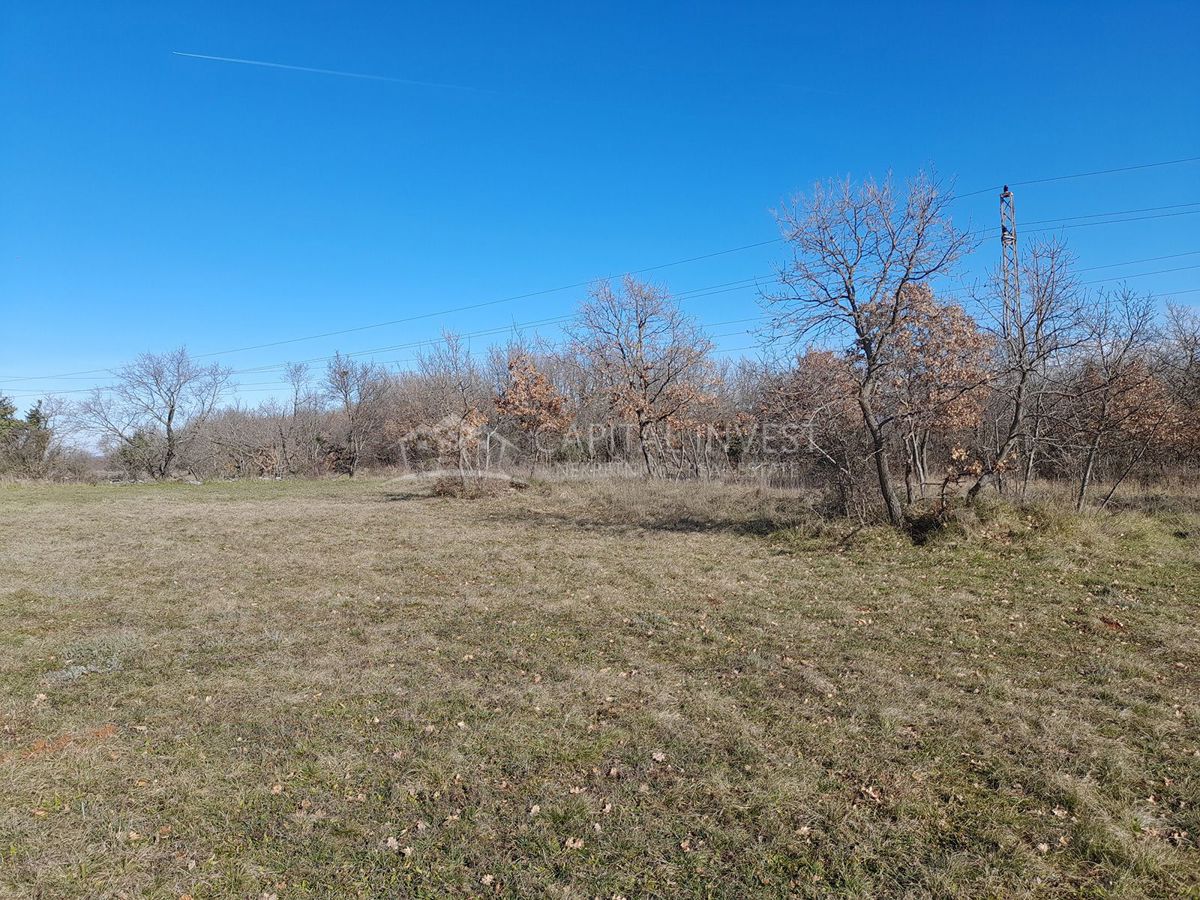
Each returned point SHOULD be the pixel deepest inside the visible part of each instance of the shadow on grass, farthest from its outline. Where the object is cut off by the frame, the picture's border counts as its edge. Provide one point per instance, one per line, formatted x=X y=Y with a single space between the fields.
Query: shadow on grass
x=405 y=496
x=623 y=522
x=627 y=507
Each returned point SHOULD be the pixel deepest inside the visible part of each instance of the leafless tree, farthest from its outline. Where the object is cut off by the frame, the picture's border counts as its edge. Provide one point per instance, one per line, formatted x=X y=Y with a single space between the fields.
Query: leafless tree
x=278 y=438
x=858 y=254
x=359 y=390
x=459 y=399
x=647 y=356
x=1180 y=357
x=1179 y=362
x=1032 y=330
x=154 y=408
x=299 y=423
x=454 y=379
x=815 y=398
x=1115 y=392
x=237 y=441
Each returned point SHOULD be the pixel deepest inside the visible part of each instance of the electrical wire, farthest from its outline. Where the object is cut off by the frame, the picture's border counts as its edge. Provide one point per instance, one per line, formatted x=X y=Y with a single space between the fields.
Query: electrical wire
x=710 y=255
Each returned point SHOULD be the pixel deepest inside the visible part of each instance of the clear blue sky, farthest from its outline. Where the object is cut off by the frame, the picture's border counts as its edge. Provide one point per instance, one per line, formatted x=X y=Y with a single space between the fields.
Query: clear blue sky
x=149 y=199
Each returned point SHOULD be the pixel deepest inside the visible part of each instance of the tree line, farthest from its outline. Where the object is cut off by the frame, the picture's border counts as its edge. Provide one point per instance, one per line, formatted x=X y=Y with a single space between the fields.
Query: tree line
x=874 y=389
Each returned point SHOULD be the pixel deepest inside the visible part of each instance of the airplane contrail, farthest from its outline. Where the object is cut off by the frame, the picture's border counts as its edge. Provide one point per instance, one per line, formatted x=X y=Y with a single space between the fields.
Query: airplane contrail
x=274 y=65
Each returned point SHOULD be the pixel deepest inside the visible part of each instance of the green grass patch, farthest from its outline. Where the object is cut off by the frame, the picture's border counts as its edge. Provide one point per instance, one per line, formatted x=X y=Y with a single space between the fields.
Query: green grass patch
x=327 y=689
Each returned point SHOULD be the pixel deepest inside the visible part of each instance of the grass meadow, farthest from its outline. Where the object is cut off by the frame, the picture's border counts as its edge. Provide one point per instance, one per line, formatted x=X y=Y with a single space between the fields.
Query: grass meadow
x=358 y=689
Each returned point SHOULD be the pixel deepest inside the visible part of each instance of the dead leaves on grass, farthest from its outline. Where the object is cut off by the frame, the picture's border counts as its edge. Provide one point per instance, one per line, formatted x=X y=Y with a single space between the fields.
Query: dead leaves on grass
x=78 y=739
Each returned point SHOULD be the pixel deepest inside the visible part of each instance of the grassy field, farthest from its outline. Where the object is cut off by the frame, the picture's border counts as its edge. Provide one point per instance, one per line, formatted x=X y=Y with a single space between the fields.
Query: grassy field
x=326 y=689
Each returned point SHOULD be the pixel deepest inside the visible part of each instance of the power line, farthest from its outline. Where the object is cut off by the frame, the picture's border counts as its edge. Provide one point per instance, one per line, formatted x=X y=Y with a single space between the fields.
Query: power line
x=703 y=291
x=1067 y=219
x=713 y=289
x=592 y=281
x=1140 y=274
x=429 y=315
x=1100 y=215
x=684 y=295
x=584 y=283
x=1122 y=212
x=706 y=291
x=1131 y=262
x=267 y=386
x=696 y=292
x=525 y=296
x=1153 y=165
x=1190 y=212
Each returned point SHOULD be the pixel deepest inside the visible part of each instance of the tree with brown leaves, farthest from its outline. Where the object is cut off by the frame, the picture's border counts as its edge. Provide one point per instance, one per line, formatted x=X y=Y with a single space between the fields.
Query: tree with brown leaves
x=531 y=404
x=858 y=253
x=938 y=381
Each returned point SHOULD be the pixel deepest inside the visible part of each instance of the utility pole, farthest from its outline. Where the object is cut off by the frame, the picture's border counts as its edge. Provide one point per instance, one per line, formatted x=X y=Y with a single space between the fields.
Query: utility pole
x=1009 y=271
x=1014 y=319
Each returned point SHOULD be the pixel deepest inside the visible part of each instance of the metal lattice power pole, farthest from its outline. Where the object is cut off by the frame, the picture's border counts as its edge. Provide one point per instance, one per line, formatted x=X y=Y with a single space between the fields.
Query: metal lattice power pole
x=1014 y=318
x=1009 y=272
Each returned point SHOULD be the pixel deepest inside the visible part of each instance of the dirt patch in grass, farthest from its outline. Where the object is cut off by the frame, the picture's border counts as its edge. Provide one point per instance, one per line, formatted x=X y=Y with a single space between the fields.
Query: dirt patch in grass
x=341 y=689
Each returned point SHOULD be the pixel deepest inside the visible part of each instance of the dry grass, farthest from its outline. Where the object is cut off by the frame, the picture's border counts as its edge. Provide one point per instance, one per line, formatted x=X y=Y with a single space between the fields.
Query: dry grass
x=355 y=689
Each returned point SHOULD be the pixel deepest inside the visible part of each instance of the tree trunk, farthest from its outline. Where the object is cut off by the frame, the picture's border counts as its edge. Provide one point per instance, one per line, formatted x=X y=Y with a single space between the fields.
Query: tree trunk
x=169 y=454
x=282 y=465
x=1033 y=445
x=1028 y=476
x=883 y=471
x=1015 y=426
x=909 y=494
x=642 y=443
x=1086 y=478
x=923 y=461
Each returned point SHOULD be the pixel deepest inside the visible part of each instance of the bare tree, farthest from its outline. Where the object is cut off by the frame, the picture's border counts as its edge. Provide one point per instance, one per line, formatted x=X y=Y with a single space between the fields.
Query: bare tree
x=858 y=256
x=276 y=439
x=154 y=409
x=299 y=424
x=1179 y=361
x=816 y=397
x=459 y=394
x=237 y=441
x=359 y=389
x=648 y=357
x=1115 y=394
x=1031 y=329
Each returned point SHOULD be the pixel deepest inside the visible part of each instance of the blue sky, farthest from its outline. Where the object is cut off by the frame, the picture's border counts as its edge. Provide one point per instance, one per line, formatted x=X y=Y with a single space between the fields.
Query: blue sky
x=149 y=199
